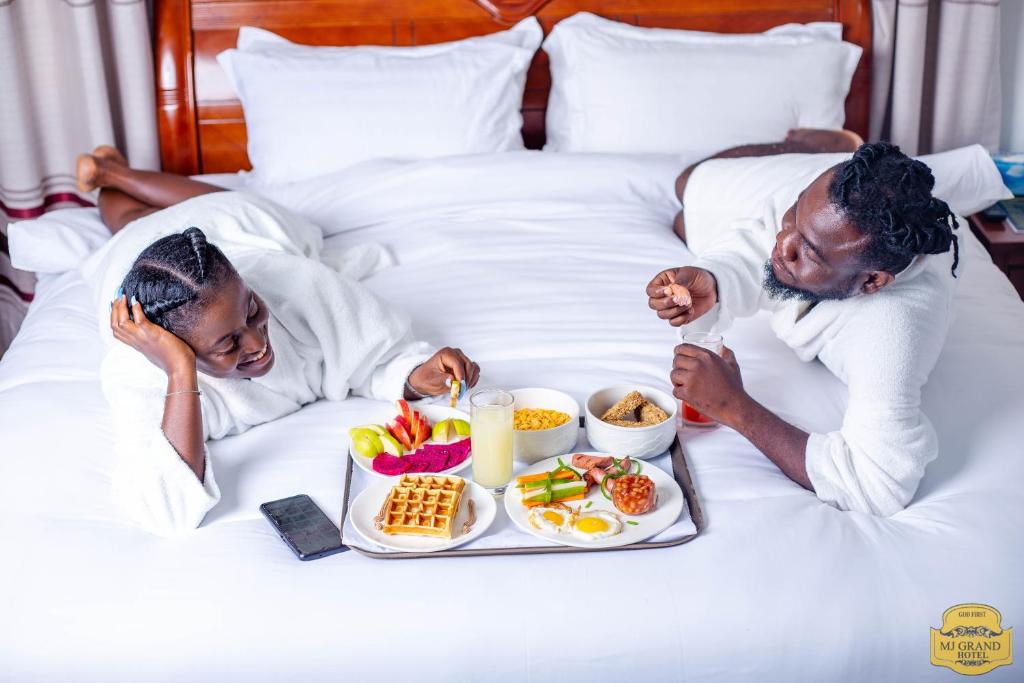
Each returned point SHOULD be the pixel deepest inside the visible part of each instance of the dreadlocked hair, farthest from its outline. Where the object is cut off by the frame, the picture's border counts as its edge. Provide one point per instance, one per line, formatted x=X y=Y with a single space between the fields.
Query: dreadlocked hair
x=888 y=197
x=171 y=275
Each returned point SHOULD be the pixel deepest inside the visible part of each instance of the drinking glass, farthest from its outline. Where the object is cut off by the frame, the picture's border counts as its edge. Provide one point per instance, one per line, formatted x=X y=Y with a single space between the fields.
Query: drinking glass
x=491 y=434
x=711 y=342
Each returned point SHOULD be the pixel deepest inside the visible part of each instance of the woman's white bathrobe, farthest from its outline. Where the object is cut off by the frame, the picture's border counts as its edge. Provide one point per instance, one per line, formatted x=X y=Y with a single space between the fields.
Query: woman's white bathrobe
x=882 y=346
x=330 y=336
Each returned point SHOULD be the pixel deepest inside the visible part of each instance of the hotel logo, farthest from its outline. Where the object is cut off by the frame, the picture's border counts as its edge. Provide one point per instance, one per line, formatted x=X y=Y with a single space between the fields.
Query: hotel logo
x=971 y=640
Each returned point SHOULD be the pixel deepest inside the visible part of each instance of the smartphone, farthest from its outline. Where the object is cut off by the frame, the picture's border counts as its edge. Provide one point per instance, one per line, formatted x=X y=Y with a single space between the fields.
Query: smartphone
x=304 y=527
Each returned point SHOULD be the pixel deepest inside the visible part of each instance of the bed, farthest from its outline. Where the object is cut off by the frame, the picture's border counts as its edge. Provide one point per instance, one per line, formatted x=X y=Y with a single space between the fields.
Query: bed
x=779 y=586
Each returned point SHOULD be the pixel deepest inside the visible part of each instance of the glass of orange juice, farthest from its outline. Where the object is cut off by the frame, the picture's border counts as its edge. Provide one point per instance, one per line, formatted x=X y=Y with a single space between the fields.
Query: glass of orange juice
x=491 y=432
x=711 y=342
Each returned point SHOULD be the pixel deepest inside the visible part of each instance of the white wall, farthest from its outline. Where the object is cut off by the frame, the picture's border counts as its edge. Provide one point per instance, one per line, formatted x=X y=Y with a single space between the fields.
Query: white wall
x=1012 y=67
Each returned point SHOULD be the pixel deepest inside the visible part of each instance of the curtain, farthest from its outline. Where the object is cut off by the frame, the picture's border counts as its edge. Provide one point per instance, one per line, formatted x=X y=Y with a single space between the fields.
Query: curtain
x=73 y=74
x=935 y=74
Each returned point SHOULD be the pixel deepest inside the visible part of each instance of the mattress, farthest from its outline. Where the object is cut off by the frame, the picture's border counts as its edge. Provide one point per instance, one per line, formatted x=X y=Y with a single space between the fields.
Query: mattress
x=536 y=266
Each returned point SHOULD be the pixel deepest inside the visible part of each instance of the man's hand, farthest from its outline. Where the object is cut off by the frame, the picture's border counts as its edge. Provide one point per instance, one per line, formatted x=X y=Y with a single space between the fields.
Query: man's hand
x=160 y=347
x=429 y=378
x=703 y=294
x=710 y=383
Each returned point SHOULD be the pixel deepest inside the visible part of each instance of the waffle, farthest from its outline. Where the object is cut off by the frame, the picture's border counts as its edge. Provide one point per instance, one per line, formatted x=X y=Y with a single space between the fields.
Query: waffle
x=422 y=505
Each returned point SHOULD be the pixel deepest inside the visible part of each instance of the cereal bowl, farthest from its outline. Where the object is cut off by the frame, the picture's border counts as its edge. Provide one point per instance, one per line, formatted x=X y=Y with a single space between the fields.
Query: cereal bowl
x=531 y=446
x=636 y=442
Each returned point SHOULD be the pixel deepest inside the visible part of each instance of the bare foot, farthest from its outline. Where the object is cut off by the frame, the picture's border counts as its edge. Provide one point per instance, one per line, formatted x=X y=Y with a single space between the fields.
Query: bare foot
x=813 y=140
x=110 y=153
x=87 y=171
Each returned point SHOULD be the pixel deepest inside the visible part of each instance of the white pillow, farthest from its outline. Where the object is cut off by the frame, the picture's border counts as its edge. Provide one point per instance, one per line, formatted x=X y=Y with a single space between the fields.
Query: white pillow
x=315 y=110
x=622 y=88
x=722 y=191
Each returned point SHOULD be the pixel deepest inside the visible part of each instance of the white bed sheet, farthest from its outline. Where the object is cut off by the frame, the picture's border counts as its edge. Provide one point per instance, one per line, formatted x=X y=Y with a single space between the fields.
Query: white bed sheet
x=536 y=267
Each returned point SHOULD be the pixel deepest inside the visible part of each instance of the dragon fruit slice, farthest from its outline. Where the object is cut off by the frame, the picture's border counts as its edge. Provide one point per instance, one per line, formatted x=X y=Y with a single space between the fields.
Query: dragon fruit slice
x=445 y=455
x=431 y=457
x=390 y=465
x=419 y=462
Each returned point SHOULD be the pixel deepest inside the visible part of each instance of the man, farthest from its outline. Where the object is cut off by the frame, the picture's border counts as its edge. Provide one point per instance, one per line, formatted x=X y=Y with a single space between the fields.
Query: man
x=847 y=278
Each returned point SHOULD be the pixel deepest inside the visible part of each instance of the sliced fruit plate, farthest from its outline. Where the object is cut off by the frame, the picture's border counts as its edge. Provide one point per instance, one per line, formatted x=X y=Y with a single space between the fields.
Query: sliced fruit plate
x=410 y=440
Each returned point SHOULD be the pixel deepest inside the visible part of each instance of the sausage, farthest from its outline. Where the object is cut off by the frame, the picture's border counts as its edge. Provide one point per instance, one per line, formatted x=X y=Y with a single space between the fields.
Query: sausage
x=596 y=474
x=633 y=494
x=625 y=465
x=586 y=462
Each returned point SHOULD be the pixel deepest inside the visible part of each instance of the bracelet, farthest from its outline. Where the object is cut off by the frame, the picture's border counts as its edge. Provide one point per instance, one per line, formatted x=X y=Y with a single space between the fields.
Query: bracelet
x=193 y=391
x=412 y=391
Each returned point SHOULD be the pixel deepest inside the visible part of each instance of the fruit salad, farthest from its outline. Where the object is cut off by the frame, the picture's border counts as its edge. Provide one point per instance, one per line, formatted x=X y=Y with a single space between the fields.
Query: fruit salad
x=409 y=443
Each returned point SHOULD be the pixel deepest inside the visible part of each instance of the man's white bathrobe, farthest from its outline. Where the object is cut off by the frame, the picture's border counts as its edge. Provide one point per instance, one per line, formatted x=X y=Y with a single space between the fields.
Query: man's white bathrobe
x=882 y=346
x=330 y=336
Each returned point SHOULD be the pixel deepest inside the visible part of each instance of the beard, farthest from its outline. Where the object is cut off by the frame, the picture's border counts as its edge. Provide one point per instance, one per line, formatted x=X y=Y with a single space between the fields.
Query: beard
x=780 y=291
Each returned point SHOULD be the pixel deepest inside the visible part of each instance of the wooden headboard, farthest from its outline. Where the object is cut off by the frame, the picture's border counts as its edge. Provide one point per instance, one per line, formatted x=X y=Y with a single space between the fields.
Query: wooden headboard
x=202 y=129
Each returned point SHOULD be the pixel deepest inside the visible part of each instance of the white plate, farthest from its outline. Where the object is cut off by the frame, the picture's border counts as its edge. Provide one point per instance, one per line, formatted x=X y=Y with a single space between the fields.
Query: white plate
x=669 y=503
x=434 y=414
x=367 y=505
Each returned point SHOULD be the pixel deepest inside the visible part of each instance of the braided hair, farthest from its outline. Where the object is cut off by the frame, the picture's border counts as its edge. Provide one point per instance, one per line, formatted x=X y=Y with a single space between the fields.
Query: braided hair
x=888 y=197
x=171 y=275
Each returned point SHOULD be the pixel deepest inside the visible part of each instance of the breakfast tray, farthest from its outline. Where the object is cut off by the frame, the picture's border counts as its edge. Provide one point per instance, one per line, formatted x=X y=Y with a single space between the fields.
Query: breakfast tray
x=680 y=472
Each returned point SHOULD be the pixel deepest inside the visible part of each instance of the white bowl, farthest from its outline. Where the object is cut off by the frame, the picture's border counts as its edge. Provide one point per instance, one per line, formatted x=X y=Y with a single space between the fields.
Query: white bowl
x=532 y=446
x=636 y=442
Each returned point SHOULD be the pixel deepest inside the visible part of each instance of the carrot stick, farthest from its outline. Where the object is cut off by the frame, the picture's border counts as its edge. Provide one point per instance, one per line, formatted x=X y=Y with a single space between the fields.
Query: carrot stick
x=527 y=478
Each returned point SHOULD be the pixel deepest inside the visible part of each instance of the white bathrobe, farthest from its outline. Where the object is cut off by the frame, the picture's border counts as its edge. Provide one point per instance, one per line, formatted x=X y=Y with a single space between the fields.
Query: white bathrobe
x=882 y=346
x=330 y=336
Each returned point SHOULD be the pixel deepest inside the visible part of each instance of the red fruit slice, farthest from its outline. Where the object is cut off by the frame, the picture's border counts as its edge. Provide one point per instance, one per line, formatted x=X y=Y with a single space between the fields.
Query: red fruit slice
x=421 y=463
x=404 y=410
x=401 y=434
x=457 y=452
x=390 y=465
x=439 y=456
x=422 y=433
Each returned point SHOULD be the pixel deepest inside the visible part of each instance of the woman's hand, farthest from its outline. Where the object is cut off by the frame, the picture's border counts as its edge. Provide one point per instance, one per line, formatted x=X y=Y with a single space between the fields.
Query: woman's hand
x=163 y=349
x=429 y=378
x=703 y=290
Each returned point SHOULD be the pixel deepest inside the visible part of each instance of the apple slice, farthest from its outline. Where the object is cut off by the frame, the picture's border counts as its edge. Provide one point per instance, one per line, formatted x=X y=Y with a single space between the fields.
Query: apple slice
x=422 y=432
x=404 y=410
x=401 y=433
x=444 y=431
x=391 y=445
x=367 y=444
x=461 y=427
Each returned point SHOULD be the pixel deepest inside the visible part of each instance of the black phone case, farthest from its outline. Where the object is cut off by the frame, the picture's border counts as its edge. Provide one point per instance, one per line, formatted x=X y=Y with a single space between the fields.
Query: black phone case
x=304 y=527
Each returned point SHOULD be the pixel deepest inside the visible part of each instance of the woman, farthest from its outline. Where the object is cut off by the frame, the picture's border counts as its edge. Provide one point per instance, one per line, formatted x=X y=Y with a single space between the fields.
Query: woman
x=214 y=340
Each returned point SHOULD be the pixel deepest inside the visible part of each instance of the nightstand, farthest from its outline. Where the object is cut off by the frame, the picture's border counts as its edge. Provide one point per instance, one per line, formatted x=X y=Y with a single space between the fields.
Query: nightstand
x=1004 y=245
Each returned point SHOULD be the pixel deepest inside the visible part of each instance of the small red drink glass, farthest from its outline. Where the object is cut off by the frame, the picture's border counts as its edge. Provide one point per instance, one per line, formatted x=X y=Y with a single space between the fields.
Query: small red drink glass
x=711 y=342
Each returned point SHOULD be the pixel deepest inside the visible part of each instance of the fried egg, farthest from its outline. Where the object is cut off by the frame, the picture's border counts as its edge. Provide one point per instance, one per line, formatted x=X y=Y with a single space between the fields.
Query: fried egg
x=552 y=519
x=592 y=526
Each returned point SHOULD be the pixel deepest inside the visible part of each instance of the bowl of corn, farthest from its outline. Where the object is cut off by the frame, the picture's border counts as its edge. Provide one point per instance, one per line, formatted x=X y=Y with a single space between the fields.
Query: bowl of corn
x=546 y=423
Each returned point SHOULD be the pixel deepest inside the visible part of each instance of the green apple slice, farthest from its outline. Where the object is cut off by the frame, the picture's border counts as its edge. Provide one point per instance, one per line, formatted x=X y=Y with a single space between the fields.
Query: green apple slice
x=367 y=444
x=356 y=432
x=391 y=446
x=444 y=431
x=461 y=427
